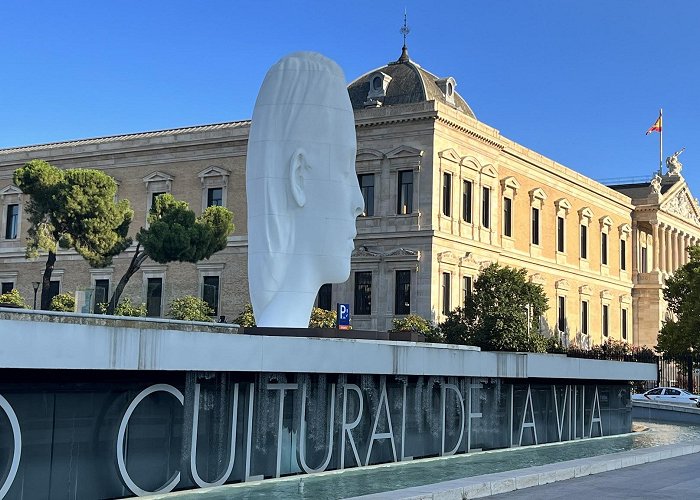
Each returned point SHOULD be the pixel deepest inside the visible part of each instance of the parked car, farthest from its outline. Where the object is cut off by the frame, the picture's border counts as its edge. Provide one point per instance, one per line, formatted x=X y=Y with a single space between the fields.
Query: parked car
x=671 y=395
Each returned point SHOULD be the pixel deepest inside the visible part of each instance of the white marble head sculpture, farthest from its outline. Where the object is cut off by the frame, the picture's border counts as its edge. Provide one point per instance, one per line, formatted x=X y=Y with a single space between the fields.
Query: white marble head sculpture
x=303 y=195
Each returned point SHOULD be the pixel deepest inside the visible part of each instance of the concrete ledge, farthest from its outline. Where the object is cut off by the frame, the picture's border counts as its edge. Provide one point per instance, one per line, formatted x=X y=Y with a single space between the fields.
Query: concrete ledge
x=90 y=342
x=502 y=482
x=654 y=411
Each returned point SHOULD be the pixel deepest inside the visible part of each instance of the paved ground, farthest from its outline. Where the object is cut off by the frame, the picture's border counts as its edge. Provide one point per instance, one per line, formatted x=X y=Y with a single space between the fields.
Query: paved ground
x=677 y=478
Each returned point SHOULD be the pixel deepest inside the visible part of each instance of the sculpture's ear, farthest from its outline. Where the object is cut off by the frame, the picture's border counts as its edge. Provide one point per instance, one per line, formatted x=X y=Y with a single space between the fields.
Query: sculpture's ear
x=297 y=171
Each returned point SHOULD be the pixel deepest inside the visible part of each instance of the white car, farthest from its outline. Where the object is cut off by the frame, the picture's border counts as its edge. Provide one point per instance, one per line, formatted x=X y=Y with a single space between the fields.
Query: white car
x=671 y=395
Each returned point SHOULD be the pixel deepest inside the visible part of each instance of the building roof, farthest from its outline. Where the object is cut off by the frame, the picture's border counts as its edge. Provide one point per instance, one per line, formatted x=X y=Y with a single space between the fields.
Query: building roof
x=409 y=83
x=126 y=137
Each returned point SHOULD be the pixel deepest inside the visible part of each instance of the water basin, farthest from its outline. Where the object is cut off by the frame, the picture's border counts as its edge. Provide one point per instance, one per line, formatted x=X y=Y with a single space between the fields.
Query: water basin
x=387 y=477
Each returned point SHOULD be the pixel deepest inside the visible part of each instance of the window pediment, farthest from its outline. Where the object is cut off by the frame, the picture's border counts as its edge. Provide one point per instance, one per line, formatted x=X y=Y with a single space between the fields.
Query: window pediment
x=213 y=171
x=450 y=154
x=369 y=155
x=404 y=151
x=510 y=182
x=157 y=176
x=489 y=171
x=538 y=194
x=562 y=204
x=606 y=221
x=10 y=190
x=586 y=213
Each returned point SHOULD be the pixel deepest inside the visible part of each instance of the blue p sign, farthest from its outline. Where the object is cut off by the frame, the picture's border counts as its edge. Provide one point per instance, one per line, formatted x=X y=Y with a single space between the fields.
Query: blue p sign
x=343 y=311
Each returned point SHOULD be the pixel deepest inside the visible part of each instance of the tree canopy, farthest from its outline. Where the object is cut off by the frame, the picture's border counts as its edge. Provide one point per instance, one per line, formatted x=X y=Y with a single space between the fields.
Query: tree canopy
x=681 y=331
x=495 y=318
x=73 y=208
x=175 y=234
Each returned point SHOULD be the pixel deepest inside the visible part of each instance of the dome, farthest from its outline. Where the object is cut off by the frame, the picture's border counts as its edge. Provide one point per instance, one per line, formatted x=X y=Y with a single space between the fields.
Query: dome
x=404 y=82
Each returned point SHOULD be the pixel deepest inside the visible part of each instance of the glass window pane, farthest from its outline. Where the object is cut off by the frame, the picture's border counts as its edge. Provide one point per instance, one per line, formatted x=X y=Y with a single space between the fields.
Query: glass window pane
x=486 y=207
x=467 y=201
x=405 y=199
x=215 y=197
x=363 y=292
x=154 y=294
x=324 y=299
x=210 y=292
x=507 y=217
x=101 y=294
x=12 y=222
x=366 y=182
x=402 y=298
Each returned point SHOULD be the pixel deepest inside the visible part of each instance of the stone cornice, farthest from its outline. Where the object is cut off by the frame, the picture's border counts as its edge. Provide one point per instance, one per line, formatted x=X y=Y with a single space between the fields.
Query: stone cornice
x=469 y=131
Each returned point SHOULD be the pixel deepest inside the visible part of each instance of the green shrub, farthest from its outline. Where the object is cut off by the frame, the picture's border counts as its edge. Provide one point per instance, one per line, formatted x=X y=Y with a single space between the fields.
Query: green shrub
x=12 y=297
x=246 y=319
x=320 y=318
x=63 y=302
x=415 y=323
x=190 y=308
x=127 y=308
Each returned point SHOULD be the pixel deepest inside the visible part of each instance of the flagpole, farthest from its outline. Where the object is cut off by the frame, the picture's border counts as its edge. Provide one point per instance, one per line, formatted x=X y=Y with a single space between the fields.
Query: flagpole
x=661 y=141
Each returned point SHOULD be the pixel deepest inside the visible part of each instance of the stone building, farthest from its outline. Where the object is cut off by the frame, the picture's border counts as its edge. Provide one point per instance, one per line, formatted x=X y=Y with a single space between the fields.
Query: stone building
x=445 y=195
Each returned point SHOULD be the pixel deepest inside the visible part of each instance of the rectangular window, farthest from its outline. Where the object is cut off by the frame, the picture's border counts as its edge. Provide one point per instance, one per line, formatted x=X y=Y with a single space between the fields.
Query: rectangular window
x=605 y=320
x=215 y=197
x=366 y=182
x=467 y=290
x=561 y=237
x=507 y=217
x=644 y=260
x=446 y=283
x=535 y=226
x=54 y=289
x=446 y=194
x=624 y=324
x=584 y=241
x=363 y=292
x=101 y=294
x=7 y=287
x=154 y=295
x=325 y=298
x=405 y=205
x=561 y=314
x=467 y=201
x=584 y=317
x=604 y=248
x=12 y=222
x=210 y=293
x=402 y=296
x=486 y=207
x=154 y=196
x=623 y=254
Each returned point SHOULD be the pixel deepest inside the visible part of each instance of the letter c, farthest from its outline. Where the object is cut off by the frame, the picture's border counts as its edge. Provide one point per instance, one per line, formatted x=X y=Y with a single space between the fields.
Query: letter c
x=121 y=459
x=14 y=423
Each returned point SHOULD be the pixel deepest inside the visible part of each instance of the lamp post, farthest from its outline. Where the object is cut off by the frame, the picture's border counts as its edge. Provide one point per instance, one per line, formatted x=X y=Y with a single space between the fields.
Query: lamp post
x=35 y=284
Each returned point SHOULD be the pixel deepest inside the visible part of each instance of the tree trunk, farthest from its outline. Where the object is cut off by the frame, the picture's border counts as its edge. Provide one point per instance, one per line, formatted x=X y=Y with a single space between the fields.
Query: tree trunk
x=46 y=282
x=134 y=266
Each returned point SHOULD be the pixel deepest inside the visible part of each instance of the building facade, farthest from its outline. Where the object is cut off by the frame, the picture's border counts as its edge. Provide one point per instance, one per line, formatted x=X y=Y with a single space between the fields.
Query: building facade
x=445 y=195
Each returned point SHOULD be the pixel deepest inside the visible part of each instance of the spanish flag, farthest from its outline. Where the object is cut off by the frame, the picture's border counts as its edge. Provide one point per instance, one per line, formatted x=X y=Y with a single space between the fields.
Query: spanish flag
x=656 y=127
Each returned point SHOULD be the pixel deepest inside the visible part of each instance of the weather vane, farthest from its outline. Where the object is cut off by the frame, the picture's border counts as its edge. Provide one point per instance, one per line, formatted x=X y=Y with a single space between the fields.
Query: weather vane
x=405 y=30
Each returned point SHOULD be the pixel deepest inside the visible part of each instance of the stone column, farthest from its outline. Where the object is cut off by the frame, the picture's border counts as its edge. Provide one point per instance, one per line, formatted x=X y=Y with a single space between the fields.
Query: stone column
x=655 y=237
x=674 y=249
x=686 y=244
x=669 y=250
x=635 y=249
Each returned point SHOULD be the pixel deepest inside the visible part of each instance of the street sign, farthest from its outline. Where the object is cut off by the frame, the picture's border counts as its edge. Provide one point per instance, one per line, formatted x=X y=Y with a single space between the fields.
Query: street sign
x=343 y=311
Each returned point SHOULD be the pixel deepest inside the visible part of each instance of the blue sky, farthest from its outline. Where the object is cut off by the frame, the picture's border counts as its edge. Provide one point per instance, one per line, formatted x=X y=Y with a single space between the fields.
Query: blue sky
x=577 y=81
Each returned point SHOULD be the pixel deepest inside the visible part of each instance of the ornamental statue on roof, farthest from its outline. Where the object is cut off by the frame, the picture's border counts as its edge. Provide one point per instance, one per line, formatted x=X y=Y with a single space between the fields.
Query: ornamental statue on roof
x=673 y=164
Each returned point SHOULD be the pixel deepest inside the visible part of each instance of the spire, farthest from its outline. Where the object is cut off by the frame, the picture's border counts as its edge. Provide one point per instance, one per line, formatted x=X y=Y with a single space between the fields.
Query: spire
x=405 y=30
